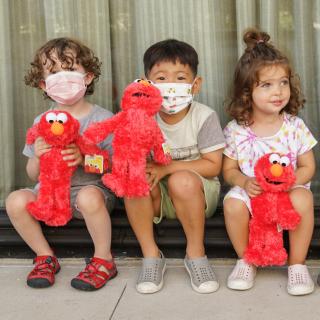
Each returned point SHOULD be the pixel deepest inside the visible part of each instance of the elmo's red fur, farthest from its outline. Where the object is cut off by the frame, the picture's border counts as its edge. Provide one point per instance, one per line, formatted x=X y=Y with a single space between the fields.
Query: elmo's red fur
x=136 y=133
x=272 y=211
x=58 y=129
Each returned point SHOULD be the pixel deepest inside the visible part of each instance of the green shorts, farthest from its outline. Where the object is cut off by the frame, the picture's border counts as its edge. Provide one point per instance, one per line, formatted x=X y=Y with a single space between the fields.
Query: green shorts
x=211 y=192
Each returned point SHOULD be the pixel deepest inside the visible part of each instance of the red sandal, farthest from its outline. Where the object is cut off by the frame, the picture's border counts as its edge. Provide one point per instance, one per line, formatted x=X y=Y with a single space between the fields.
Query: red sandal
x=92 y=278
x=42 y=275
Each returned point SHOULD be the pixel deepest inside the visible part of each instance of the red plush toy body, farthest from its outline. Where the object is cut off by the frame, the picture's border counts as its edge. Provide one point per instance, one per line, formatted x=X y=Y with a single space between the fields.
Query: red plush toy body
x=58 y=129
x=272 y=211
x=136 y=133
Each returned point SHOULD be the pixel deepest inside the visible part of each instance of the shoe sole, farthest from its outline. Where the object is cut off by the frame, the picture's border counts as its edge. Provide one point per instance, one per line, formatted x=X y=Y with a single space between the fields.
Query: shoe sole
x=84 y=286
x=157 y=288
x=40 y=283
x=299 y=292
x=241 y=288
x=195 y=288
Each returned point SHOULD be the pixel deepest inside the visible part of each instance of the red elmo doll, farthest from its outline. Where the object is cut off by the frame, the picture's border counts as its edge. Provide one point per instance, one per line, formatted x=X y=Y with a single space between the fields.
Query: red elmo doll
x=136 y=133
x=59 y=129
x=272 y=211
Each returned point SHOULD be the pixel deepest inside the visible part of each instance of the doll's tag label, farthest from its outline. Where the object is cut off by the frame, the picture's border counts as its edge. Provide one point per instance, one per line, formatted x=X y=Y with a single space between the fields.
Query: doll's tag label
x=166 y=148
x=93 y=164
x=279 y=228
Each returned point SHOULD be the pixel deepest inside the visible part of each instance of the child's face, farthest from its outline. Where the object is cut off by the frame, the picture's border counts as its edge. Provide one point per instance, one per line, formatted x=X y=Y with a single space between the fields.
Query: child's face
x=272 y=93
x=169 y=72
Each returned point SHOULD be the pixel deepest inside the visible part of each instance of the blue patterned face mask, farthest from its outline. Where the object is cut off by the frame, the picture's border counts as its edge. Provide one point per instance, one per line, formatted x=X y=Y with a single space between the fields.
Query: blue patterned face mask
x=176 y=96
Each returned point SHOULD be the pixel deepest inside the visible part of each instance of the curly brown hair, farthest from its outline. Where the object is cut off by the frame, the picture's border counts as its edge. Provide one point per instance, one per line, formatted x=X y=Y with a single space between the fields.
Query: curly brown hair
x=259 y=54
x=68 y=51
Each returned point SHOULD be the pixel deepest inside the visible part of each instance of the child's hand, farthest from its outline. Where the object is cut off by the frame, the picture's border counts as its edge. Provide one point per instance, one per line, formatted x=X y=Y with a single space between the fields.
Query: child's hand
x=40 y=147
x=154 y=173
x=73 y=155
x=252 y=187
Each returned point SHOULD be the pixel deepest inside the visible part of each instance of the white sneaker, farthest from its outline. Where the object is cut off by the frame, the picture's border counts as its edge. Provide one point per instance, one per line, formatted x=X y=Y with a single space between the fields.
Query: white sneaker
x=203 y=279
x=242 y=276
x=151 y=276
x=299 y=280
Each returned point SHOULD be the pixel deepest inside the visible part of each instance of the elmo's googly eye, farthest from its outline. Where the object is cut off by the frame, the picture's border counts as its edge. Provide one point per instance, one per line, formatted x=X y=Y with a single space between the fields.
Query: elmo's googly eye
x=62 y=118
x=150 y=82
x=274 y=158
x=51 y=117
x=137 y=80
x=284 y=161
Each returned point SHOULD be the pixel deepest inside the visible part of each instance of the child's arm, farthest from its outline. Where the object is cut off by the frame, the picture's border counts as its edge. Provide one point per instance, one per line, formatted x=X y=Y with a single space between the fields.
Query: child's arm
x=98 y=131
x=33 y=165
x=305 y=168
x=234 y=177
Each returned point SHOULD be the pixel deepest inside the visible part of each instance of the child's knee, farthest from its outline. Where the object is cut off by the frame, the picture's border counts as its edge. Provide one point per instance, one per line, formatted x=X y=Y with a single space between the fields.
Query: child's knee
x=17 y=200
x=184 y=184
x=302 y=200
x=90 y=199
x=235 y=209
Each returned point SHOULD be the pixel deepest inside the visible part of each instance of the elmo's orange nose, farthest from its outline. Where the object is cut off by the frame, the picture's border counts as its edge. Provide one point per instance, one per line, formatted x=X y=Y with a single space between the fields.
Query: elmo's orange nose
x=57 y=128
x=276 y=170
x=145 y=83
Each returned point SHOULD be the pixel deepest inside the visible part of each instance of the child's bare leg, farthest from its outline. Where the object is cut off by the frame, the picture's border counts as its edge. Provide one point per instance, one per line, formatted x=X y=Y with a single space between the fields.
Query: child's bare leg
x=28 y=228
x=186 y=192
x=302 y=201
x=236 y=216
x=140 y=214
x=91 y=203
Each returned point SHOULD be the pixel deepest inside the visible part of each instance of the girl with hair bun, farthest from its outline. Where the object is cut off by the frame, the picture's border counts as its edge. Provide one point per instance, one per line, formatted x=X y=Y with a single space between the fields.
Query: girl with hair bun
x=264 y=105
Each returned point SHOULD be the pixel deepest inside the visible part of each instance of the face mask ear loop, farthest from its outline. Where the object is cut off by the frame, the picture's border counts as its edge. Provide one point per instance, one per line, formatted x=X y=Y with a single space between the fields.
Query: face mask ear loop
x=192 y=84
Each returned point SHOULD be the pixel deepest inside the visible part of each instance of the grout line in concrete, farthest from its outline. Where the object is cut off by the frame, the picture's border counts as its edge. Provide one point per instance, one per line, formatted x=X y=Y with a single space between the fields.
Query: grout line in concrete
x=115 y=307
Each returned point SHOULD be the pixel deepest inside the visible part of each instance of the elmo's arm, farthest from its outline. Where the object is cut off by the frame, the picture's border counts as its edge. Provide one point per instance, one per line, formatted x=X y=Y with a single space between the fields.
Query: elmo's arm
x=99 y=131
x=87 y=148
x=288 y=217
x=159 y=155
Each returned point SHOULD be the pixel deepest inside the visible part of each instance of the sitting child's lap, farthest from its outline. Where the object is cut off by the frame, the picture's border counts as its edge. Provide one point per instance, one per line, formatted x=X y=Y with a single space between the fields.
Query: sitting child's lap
x=211 y=191
x=109 y=197
x=240 y=194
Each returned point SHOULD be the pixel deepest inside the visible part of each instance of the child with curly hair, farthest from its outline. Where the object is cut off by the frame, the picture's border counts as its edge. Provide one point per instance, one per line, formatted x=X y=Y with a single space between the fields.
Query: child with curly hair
x=265 y=103
x=67 y=70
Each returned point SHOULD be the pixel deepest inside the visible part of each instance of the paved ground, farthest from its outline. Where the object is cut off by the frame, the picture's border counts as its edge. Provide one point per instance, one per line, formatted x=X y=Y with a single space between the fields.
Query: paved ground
x=119 y=299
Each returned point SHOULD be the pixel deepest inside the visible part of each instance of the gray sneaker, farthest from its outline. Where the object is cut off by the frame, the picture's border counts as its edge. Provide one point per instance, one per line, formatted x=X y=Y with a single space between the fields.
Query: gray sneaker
x=151 y=276
x=203 y=279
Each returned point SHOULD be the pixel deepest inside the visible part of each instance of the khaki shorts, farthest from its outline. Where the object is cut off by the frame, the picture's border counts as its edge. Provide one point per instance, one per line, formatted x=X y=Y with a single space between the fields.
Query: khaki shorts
x=211 y=192
x=109 y=197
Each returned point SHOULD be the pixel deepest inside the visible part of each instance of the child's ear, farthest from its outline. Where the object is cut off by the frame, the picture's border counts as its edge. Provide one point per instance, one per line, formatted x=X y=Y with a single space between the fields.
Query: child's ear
x=196 y=85
x=88 y=78
x=42 y=85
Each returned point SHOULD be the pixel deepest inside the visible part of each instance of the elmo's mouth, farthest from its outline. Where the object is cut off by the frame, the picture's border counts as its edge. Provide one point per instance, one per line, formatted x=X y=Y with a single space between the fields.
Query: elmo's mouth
x=273 y=182
x=140 y=94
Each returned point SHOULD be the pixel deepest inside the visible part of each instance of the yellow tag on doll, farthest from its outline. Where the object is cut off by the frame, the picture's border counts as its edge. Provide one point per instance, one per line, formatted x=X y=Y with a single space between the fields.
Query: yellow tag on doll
x=166 y=148
x=93 y=164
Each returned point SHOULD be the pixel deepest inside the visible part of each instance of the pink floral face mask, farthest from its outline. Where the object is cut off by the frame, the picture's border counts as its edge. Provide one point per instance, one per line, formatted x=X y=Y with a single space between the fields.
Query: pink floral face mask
x=66 y=87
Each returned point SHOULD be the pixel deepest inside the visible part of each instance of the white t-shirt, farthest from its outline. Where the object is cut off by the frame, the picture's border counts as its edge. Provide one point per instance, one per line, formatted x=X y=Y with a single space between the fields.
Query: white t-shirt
x=293 y=139
x=199 y=132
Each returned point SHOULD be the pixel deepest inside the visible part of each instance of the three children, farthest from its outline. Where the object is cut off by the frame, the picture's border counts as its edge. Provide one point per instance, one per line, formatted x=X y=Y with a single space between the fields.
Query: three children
x=265 y=103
